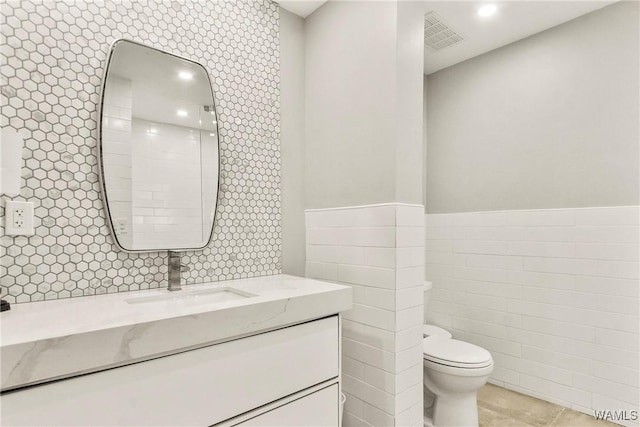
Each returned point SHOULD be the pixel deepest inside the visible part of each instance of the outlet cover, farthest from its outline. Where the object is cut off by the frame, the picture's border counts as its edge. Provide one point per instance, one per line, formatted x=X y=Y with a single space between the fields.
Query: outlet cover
x=18 y=218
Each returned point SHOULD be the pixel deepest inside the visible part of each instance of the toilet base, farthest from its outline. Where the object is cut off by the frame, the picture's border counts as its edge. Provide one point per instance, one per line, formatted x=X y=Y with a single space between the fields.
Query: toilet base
x=459 y=410
x=456 y=393
x=429 y=400
x=428 y=417
x=428 y=422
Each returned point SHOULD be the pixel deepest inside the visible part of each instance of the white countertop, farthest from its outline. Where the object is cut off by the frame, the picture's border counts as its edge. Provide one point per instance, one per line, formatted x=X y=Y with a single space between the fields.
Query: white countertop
x=54 y=339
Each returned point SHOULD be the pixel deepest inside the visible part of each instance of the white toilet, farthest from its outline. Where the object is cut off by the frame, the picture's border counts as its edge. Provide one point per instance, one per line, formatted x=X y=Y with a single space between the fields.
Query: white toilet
x=453 y=373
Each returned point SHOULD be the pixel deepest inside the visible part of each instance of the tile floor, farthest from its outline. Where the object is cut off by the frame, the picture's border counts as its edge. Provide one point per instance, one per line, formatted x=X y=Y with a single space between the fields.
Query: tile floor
x=499 y=407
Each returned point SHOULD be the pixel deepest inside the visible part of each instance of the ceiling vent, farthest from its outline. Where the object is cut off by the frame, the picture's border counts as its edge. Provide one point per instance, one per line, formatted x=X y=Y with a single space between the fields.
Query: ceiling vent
x=437 y=35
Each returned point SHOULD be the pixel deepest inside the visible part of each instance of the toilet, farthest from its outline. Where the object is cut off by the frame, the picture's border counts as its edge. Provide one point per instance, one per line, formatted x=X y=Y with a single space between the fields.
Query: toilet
x=453 y=373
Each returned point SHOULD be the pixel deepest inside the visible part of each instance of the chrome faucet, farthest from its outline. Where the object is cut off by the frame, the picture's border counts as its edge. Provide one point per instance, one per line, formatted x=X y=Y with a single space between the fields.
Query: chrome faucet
x=175 y=267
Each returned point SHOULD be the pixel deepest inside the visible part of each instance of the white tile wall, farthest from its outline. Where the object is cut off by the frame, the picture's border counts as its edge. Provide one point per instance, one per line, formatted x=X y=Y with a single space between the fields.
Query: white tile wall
x=378 y=251
x=151 y=207
x=167 y=207
x=553 y=294
x=116 y=134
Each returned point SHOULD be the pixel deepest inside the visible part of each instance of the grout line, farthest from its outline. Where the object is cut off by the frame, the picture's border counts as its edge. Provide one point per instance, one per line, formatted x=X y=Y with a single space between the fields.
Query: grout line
x=379 y=369
x=553 y=422
x=338 y=208
x=534 y=210
x=538 y=332
x=359 y=227
x=544 y=303
x=359 y=322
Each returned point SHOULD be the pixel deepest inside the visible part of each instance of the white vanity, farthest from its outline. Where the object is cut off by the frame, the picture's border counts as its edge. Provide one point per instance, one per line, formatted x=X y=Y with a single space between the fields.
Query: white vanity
x=254 y=352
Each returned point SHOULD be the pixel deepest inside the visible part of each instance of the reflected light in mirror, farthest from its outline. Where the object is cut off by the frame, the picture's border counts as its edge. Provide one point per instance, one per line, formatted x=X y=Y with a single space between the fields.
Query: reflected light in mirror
x=487 y=10
x=117 y=123
x=185 y=75
x=181 y=113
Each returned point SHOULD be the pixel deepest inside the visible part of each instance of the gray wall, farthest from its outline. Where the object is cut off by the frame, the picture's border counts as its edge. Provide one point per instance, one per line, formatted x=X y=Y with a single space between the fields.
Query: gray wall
x=409 y=102
x=292 y=142
x=425 y=153
x=350 y=104
x=547 y=122
x=363 y=103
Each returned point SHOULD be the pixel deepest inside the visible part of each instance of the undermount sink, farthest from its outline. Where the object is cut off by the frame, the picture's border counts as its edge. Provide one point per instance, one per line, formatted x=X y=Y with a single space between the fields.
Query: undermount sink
x=199 y=296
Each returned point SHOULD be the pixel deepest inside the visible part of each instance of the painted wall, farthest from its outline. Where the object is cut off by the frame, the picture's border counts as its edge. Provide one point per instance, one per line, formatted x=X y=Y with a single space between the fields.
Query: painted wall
x=409 y=102
x=350 y=120
x=552 y=294
x=547 y=122
x=53 y=57
x=425 y=152
x=363 y=136
x=292 y=148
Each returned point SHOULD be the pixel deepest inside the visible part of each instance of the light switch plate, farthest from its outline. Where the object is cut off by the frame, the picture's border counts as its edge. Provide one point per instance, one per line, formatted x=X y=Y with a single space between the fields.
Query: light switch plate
x=18 y=218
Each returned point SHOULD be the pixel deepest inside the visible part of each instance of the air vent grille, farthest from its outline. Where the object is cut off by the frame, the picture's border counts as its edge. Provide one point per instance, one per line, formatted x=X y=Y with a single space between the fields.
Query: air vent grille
x=437 y=35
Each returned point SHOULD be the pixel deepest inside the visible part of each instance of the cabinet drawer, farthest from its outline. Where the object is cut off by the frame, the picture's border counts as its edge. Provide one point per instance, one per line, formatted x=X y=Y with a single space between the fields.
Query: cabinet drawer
x=198 y=387
x=316 y=409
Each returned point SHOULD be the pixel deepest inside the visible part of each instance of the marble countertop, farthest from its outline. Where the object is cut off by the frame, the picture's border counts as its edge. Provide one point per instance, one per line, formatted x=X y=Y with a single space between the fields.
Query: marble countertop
x=60 y=338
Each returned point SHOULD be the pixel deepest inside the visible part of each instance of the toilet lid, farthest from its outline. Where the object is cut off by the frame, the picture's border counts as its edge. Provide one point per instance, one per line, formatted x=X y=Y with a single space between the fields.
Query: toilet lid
x=434 y=331
x=455 y=353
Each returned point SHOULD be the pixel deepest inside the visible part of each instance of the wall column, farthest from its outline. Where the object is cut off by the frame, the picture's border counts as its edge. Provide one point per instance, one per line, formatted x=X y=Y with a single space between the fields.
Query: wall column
x=363 y=186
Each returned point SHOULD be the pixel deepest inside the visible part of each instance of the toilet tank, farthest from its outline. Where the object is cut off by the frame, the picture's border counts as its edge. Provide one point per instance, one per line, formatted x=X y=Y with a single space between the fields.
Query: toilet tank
x=427 y=294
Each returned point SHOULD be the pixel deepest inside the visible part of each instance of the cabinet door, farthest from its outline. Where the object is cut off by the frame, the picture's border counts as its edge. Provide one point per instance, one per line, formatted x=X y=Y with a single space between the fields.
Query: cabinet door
x=316 y=409
x=195 y=388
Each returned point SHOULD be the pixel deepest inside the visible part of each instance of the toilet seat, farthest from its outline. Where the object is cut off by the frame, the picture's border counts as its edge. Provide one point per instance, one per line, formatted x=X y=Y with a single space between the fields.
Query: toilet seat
x=455 y=354
x=434 y=331
x=457 y=372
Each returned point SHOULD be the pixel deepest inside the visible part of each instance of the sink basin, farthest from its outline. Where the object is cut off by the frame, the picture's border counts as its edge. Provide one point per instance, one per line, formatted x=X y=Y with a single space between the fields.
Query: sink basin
x=197 y=296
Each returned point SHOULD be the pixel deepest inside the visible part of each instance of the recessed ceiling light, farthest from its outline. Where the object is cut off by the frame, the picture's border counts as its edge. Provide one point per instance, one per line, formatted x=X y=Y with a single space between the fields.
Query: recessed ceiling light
x=487 y=10
x=185 y=75
x=181 y=113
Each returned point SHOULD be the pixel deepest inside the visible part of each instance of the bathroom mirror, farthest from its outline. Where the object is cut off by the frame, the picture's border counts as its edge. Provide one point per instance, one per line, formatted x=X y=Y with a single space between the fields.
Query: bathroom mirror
x=158 y=149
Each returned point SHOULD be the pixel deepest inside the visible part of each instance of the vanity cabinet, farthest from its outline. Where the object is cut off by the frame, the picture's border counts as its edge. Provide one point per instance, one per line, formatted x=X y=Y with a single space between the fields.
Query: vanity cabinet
x=315 y=409
x=285 y=377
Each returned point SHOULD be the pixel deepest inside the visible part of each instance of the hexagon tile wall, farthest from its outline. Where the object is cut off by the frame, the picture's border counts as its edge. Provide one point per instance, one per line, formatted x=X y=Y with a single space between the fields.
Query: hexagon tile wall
x=53 y=54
